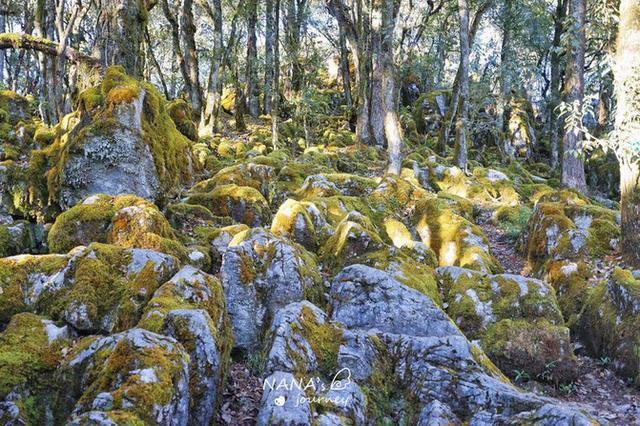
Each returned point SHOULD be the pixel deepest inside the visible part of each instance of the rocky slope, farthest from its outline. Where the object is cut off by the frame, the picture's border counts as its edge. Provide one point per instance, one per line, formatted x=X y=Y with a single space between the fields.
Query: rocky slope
x=140 y=262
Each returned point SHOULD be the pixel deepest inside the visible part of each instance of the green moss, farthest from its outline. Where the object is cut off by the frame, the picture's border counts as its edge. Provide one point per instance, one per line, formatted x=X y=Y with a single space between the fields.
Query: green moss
x=601 y=233
x=5 y=241
x=180 y=112
x=15 y=273
x=512 y=219
x=244 y=204
x=540 y=348
x=325 y=340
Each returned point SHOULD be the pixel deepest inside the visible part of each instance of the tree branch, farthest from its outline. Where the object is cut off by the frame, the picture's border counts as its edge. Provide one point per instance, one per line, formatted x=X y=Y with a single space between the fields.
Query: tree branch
x=48 y=47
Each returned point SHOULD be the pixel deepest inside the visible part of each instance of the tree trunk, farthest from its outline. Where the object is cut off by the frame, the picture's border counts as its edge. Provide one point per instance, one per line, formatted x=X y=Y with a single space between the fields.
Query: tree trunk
x=627 y=127
x=556 y=78
x=392 y=128
x=572 y=156
x=3 y=28
x=120 y=34
x=461 y=123
x=187 y=36
x=275 y=102
x=251 y=76
x=503 y=112
x=268 y=56
x=345 y=71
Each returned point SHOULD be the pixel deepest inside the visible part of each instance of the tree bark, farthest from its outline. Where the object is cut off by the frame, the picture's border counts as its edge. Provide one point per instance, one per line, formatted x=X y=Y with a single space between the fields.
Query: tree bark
x=627 y=127
x=187 y=36
x=268 y=56
x=345 y=71
x=573 y=175
x=251 y=75
x=556 y=78
x=120 y=34
x=275 y=101
x=460 y=156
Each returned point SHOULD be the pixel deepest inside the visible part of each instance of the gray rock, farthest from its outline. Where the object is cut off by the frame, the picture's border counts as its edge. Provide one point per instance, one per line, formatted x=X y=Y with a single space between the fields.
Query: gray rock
x=436 y=413
x=260 y=275
x=283 y=403
x=114 y=162
x=361 y=298
x=195 y=330
x=123 y=363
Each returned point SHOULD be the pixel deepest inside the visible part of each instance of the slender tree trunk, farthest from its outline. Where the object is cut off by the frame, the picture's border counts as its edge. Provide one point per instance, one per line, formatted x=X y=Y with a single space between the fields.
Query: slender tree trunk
x=503 y=110
x=344 y=69
x=556 y=78
x=3 y=28
x=155 y=63
x=251 y=76
x=627 y=127
x=461 y=123
x=392 y=128
x=177 y=48
x=268 y=56
x=572 y=157
x=187 y=36
x=275 y=101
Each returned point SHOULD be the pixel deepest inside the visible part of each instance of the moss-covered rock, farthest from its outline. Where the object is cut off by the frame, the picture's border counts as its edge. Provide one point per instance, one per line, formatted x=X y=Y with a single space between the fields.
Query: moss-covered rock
x=126 y=220
x=565 y=226
x=242 y=203
x=104 y=288
x=23 y=279
x=121 y=141
x=262 y=273
x=181 y=114
x=330 y=184
x=455 y=240
x=136 y=372
x=355 y=235
x=609 y=323
x=257 y=176
x=571 y=283
x=517 y=320
x=30 y=349
x=302 y=222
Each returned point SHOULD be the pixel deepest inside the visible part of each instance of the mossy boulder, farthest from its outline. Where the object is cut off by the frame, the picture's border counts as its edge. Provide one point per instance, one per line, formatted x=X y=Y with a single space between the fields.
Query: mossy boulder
x=609 y=323
x=262 y=273
x=23 y=279
x=257 y=176
x=571 y=282
x=396 y=193
x=517 y=320
x=105 y=288
x=512 y=219
x=330 y=184
x=30 y=350
x=126 y=220
x=455 y=240
x=16 y=108
x=181 y=114
x=242 y=203
x=218 y=240
x=302 y=222
x=190 y=307
x=521 y=130
x=137 y=372
x=123 y=142
x=565 y=226
x=355 y=235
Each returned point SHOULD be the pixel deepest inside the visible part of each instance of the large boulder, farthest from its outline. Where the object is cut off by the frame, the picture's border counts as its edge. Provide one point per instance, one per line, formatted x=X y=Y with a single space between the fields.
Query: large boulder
x=262 y=273
x=609 y=324
x=244 y=204
x=516 y=319
x=124 y=142
x=30 y=349
x=455 y=240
